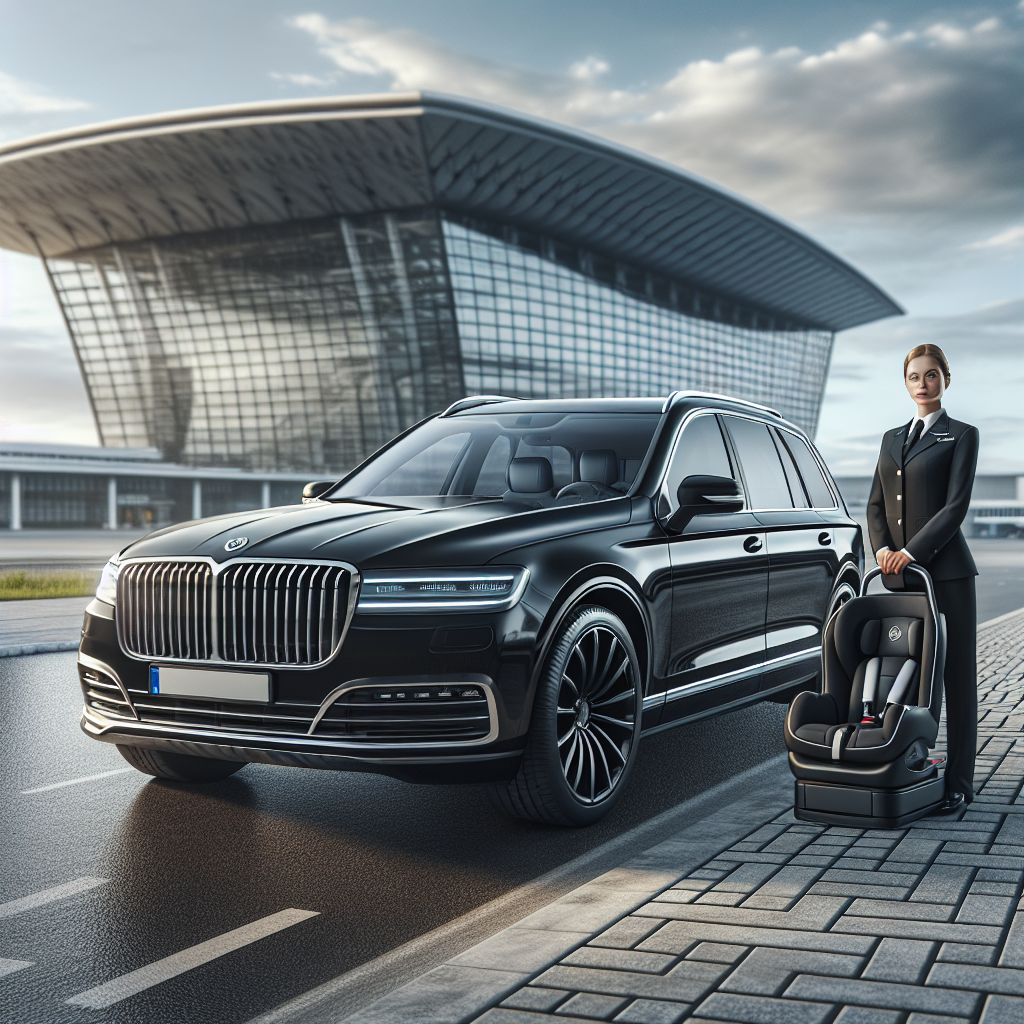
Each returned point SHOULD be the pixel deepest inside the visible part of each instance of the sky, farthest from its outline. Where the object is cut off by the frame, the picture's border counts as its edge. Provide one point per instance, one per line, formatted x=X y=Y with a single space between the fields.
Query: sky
x=892 y=131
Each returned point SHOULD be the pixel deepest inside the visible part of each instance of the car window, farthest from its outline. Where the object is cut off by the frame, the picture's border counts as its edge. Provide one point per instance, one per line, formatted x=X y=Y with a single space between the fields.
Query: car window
x=492 y=478
x=559 y=457
x=814 y=480
x=469 y=454
x=796 y=487
x=700 y=450
x=426 y=472
x=766 y=479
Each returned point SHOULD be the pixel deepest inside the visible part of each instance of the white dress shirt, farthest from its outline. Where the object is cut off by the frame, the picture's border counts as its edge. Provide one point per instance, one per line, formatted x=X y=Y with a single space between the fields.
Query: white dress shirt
x=929 y=422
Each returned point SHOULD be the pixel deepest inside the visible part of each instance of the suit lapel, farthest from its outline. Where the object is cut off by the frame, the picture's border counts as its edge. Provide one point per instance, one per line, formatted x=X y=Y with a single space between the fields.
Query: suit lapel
x=940 y=428
x=896 y=444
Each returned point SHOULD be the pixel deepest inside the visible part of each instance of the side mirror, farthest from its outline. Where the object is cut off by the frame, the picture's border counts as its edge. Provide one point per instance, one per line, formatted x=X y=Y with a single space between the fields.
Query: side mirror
x=315 y=488
x=703 y=495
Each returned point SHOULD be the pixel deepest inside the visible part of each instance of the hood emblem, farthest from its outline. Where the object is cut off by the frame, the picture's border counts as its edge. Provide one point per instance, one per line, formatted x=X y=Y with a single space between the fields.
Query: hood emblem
x=894 y=633
x=235 y=543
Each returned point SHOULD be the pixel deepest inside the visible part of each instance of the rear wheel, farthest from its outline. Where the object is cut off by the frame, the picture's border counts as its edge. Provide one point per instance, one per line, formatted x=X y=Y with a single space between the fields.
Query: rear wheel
x=843 y=593
x=179 y=767
x=585 y=728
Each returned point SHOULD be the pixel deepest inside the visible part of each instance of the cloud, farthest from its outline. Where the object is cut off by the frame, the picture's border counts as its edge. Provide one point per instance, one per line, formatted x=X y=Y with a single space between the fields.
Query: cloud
x=26 y=109
x=927 y=123
x=1011 y=238
x=983 y=346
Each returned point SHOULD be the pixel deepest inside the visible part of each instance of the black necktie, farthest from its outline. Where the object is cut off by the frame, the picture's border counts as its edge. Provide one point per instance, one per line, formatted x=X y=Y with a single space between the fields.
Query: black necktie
x=913 y=436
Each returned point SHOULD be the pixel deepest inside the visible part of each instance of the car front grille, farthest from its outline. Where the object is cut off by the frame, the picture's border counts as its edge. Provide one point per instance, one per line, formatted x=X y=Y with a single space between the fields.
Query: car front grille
x=262 y=719
x=244 y=612
x=391 y=714
x=429 y=713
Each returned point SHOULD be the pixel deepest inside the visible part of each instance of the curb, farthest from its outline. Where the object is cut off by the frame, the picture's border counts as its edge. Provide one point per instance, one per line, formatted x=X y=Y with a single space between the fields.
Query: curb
x=48 y=648
x=1000 y=618
x=443 y=977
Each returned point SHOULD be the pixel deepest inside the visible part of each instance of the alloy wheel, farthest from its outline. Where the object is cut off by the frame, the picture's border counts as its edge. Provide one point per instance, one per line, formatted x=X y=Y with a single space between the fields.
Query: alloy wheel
x=595 y=717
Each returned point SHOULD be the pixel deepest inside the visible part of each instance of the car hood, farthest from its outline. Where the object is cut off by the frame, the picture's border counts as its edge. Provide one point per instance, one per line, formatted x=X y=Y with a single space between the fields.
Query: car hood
x=434 y=532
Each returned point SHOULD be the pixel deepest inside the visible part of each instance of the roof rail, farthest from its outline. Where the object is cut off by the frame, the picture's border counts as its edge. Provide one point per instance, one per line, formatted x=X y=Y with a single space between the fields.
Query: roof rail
x=678 y=396
x=474 y=400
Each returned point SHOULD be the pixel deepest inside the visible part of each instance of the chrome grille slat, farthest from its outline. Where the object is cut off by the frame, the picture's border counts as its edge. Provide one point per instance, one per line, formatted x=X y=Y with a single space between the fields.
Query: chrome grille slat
x=245 y=612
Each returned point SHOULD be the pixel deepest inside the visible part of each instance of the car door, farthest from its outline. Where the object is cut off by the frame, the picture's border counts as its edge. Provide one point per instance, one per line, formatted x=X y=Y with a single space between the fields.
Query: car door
x=801 y=557
x=719 y=585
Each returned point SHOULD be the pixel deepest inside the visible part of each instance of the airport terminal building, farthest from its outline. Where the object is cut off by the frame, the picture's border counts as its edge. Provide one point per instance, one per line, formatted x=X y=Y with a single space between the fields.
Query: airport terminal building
x=284 y=286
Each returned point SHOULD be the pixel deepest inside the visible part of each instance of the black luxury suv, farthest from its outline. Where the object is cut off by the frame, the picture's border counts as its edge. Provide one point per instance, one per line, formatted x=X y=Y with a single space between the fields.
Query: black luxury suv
x=509 y=593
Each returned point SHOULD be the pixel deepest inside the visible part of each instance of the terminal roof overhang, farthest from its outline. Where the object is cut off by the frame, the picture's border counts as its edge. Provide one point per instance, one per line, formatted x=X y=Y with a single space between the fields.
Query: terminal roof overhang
x=230 y=167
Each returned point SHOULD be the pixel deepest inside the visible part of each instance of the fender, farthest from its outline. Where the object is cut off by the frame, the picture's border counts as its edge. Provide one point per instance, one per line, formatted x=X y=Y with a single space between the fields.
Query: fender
x=568 y=599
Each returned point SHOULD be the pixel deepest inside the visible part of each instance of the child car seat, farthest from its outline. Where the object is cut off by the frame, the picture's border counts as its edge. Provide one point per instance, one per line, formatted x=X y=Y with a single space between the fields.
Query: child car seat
x=859 y=749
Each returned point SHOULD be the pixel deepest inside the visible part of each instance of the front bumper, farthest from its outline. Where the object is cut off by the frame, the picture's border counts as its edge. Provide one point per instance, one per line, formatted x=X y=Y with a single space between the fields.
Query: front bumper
x=311 y=710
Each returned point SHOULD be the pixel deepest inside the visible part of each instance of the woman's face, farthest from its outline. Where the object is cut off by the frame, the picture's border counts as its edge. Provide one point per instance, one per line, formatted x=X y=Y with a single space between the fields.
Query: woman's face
x=924 y=380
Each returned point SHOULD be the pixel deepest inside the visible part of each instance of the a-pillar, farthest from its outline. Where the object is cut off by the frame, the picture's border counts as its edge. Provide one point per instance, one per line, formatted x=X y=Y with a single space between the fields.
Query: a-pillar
x=265 y=495
x=15 y=501
x=197 y=499
x=112 y=503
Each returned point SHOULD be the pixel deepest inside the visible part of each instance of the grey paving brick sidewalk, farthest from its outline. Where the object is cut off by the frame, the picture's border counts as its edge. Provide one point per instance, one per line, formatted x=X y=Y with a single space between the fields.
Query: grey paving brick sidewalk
x=811 y=925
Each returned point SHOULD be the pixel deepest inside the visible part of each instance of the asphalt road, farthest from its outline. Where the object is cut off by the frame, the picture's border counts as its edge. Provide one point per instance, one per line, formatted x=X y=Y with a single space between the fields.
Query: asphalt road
x=381 y=862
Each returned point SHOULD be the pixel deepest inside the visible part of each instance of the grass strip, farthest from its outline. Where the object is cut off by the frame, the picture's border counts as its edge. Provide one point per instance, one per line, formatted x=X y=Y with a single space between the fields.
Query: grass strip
x=21 y=585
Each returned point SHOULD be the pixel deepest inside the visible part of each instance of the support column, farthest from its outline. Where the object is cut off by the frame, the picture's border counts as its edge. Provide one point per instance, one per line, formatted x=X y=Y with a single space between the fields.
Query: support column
x=112 y=503
x=197 y=499
x=265 y=494
x=15 y=501
x=1020 y=488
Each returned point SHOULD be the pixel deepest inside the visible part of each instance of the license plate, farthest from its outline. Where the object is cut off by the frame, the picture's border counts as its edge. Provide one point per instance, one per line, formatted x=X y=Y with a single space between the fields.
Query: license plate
x=172 y=681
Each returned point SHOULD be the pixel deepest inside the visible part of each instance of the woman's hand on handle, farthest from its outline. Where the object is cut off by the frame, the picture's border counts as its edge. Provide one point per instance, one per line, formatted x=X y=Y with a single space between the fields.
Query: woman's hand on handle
x=892 y=563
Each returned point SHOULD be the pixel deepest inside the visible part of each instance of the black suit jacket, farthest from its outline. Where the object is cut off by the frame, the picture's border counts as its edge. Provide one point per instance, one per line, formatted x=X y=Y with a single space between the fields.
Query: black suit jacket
x=919 y=502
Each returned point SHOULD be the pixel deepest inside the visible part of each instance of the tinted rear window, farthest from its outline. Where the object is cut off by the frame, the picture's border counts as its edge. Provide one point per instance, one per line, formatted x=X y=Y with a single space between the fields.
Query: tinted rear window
x=814 y=480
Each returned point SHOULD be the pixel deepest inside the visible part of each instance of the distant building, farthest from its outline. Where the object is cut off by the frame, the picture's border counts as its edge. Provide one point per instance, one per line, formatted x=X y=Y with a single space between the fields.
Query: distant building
x=285 y=286
x=997 y=503
x=69 y=487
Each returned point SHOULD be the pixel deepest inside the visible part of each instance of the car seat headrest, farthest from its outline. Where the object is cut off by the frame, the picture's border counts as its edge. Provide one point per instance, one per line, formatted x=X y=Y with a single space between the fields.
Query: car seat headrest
x=530 y=475
x=599 y=466
x=898 y=637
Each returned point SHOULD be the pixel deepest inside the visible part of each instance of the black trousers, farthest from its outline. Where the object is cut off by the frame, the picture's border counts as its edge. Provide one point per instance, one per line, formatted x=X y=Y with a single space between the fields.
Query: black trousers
x=957 y=601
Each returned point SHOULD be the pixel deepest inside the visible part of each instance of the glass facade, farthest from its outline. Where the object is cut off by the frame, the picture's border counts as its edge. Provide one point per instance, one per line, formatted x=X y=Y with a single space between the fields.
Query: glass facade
x=542 y=320
x=306 y=345
x=301 y=346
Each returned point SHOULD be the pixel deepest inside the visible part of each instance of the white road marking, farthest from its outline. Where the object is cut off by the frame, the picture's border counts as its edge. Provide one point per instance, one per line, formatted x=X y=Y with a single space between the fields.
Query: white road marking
x=75 y=782
x=195 y=956
x=10 y=966
x=58 y=892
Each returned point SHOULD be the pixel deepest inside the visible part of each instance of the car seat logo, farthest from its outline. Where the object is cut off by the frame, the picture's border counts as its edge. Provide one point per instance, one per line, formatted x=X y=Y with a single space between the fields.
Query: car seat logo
x=239 y=542
x=894 y=634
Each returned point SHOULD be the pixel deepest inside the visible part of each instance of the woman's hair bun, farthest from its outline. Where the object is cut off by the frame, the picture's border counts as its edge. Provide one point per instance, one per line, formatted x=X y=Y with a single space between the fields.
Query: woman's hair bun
x=933 y=352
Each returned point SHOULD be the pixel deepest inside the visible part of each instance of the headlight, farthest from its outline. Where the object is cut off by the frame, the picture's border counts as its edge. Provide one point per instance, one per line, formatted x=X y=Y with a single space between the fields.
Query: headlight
x=439 y=590
x=107 y=590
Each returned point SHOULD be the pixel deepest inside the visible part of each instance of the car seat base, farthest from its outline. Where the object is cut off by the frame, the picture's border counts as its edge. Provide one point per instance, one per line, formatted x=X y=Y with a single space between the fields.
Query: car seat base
x=867 y=807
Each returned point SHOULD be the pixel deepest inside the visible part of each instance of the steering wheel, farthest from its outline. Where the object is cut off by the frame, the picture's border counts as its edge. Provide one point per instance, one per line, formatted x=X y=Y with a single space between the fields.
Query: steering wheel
x=587 y=490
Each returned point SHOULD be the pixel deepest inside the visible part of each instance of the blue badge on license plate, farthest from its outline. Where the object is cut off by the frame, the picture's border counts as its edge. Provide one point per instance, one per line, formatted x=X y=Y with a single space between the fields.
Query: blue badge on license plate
x=154 y=678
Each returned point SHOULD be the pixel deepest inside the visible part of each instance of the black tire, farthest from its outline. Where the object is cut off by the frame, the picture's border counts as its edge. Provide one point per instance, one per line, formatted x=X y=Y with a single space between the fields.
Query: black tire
x=577 y=760
x=179 y=767
x=845 y=591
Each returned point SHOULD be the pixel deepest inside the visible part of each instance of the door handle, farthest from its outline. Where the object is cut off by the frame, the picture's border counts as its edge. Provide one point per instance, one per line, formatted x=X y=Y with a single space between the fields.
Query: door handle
x=824 y=539
x=752 y=544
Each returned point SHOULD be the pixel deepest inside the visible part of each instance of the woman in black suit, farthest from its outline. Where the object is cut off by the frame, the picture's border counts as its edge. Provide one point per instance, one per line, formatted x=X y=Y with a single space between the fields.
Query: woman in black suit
x=919 y=500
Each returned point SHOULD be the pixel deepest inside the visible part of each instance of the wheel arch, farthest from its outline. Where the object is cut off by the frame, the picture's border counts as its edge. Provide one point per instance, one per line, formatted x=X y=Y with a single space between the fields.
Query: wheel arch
x=604 y=585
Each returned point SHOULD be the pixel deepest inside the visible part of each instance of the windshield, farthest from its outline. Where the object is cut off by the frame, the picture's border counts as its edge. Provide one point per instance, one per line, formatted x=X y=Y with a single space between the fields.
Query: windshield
x=530 y=458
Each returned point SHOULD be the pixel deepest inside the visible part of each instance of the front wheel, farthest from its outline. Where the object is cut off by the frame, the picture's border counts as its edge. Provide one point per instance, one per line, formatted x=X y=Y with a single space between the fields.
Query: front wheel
x=179 y=767
x=585 y=728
